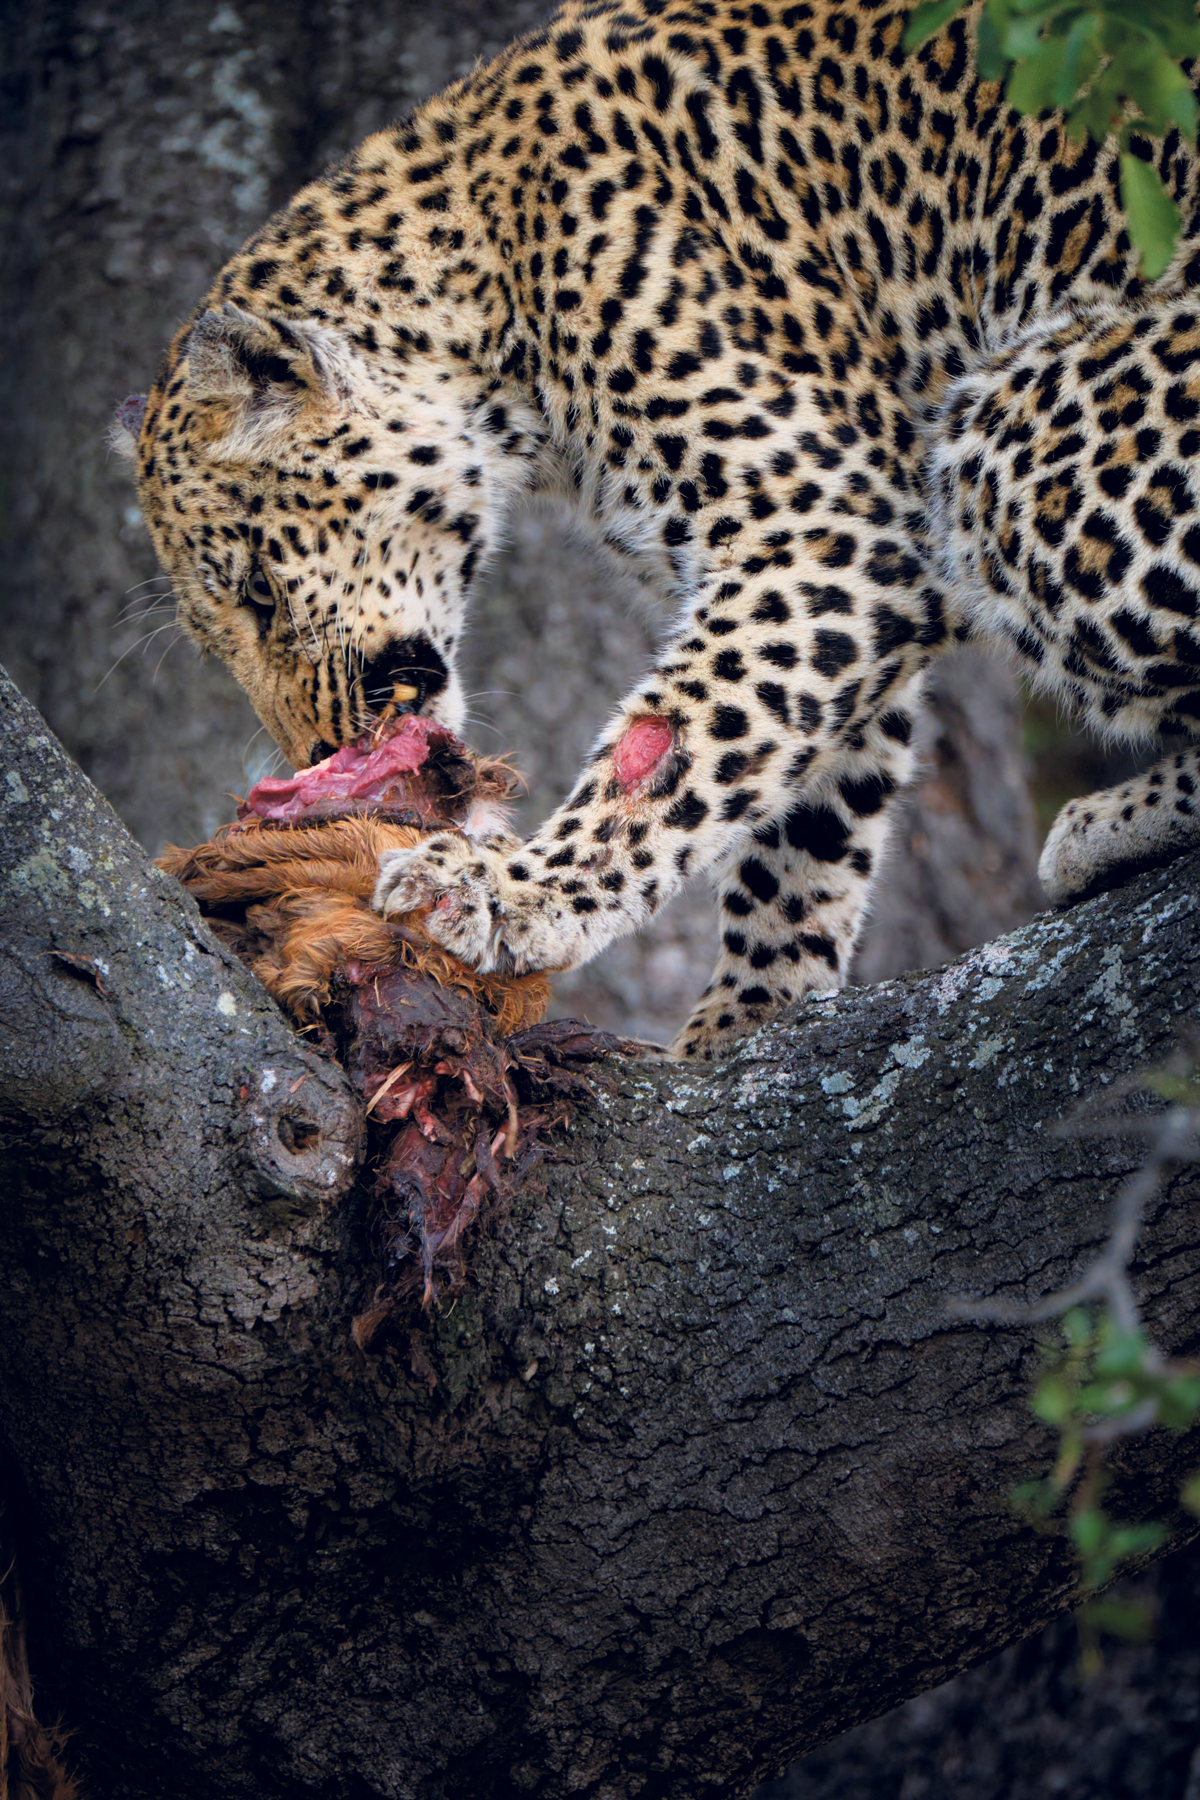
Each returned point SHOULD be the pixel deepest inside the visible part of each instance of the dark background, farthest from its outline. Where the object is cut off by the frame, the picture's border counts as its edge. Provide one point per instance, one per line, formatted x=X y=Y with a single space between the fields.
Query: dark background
x=139 y=144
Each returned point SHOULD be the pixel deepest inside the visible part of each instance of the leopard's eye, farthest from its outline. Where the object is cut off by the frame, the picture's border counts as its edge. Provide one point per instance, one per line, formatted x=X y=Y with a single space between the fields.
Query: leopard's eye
x=257 y=592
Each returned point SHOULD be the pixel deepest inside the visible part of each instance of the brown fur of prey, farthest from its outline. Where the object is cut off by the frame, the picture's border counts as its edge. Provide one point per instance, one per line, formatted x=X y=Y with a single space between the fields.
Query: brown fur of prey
x=294 y=903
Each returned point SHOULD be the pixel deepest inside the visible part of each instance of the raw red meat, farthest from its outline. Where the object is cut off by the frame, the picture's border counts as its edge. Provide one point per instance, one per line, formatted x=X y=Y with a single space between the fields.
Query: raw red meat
x=368 y=773
x=641 y=750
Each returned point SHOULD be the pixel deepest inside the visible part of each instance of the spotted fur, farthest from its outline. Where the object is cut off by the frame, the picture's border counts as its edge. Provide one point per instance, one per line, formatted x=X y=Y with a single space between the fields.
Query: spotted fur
x=848 y=361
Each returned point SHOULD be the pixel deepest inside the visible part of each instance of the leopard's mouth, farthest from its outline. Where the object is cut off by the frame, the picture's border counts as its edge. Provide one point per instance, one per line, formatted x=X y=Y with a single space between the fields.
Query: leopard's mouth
x=398 y=682
x=401 y=678
x=404 y=703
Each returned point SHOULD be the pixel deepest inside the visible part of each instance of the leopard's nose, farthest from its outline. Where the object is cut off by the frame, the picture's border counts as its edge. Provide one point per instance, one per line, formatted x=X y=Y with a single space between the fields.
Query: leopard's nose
x=401 y=676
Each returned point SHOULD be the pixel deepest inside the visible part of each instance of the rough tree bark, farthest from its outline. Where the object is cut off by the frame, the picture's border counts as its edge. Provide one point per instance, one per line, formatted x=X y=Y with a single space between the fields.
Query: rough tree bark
x=697 y=1473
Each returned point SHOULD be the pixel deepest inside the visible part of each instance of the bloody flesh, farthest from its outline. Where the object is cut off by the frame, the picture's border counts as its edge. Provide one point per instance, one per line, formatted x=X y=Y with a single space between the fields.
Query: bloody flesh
x=369 y=773
x=641 y=749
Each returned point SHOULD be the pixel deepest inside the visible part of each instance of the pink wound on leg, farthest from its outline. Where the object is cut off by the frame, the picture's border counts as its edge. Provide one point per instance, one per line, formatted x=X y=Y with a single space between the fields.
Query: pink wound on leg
x=641 y=750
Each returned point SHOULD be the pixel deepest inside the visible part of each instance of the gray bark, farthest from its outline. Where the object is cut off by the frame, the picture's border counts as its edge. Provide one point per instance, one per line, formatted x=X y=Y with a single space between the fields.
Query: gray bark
x=697 y=1473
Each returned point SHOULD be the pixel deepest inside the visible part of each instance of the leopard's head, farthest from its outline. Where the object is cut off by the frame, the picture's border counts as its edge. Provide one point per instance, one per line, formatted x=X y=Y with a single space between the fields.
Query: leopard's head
x=321 y=513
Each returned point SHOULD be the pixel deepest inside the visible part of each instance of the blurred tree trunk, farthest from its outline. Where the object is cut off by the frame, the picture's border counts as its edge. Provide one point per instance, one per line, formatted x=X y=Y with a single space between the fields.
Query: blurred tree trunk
x=1029 y=1724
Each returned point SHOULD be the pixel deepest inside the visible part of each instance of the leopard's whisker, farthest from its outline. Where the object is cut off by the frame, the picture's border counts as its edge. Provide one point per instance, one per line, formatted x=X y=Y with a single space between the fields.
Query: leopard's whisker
x=138 y=644
x=348 y=643
x=162 y=659
x=130 y=617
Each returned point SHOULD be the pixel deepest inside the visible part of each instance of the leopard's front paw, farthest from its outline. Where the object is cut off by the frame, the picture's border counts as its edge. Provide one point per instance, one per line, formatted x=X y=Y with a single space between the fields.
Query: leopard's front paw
x=476 y=909
x=1068 y=866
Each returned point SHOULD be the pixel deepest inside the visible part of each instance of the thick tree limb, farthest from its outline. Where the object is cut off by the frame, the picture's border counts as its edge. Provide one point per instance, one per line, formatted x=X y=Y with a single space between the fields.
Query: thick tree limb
x=699 y=1472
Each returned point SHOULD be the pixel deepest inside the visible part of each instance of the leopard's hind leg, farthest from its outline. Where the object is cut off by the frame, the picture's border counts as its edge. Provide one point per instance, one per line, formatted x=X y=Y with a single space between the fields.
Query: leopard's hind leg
x=1065 y=492
x=1103 y=839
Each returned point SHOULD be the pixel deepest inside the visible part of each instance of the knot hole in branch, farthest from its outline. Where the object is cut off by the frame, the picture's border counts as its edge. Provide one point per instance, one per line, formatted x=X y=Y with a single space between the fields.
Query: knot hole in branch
x=298 y=1134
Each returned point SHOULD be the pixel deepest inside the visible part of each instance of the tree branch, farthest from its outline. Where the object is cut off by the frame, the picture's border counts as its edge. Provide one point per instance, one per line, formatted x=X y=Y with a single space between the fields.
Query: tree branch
x=700 y=1470
x=1172 y=1140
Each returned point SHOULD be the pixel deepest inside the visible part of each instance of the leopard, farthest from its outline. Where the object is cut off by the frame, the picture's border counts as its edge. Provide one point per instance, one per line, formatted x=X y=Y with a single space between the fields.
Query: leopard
x=844 y=359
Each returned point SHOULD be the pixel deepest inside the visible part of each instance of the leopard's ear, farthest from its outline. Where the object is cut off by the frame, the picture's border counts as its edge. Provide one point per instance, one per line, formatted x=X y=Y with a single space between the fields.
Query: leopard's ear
x=253 y=375
x=126 y=427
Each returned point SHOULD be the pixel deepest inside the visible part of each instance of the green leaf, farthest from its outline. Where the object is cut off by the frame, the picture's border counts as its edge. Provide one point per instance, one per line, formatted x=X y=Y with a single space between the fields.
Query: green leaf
x=1071 y=76
x=1179 y=1402
x=990 y=59
x=1183 y=109
x=1099 y=109
x=1189 y=1493
x=1024 y=38
x=1152 y=215
x=1031 y=85
x=1051 y=1401
x=927 y=21
x=1158 y=86
x=1123 y=1355
x=1175 y=30
x=1088 y=1530
x=1183 y=39
x=1132 y=1538
x=1107 y=1399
